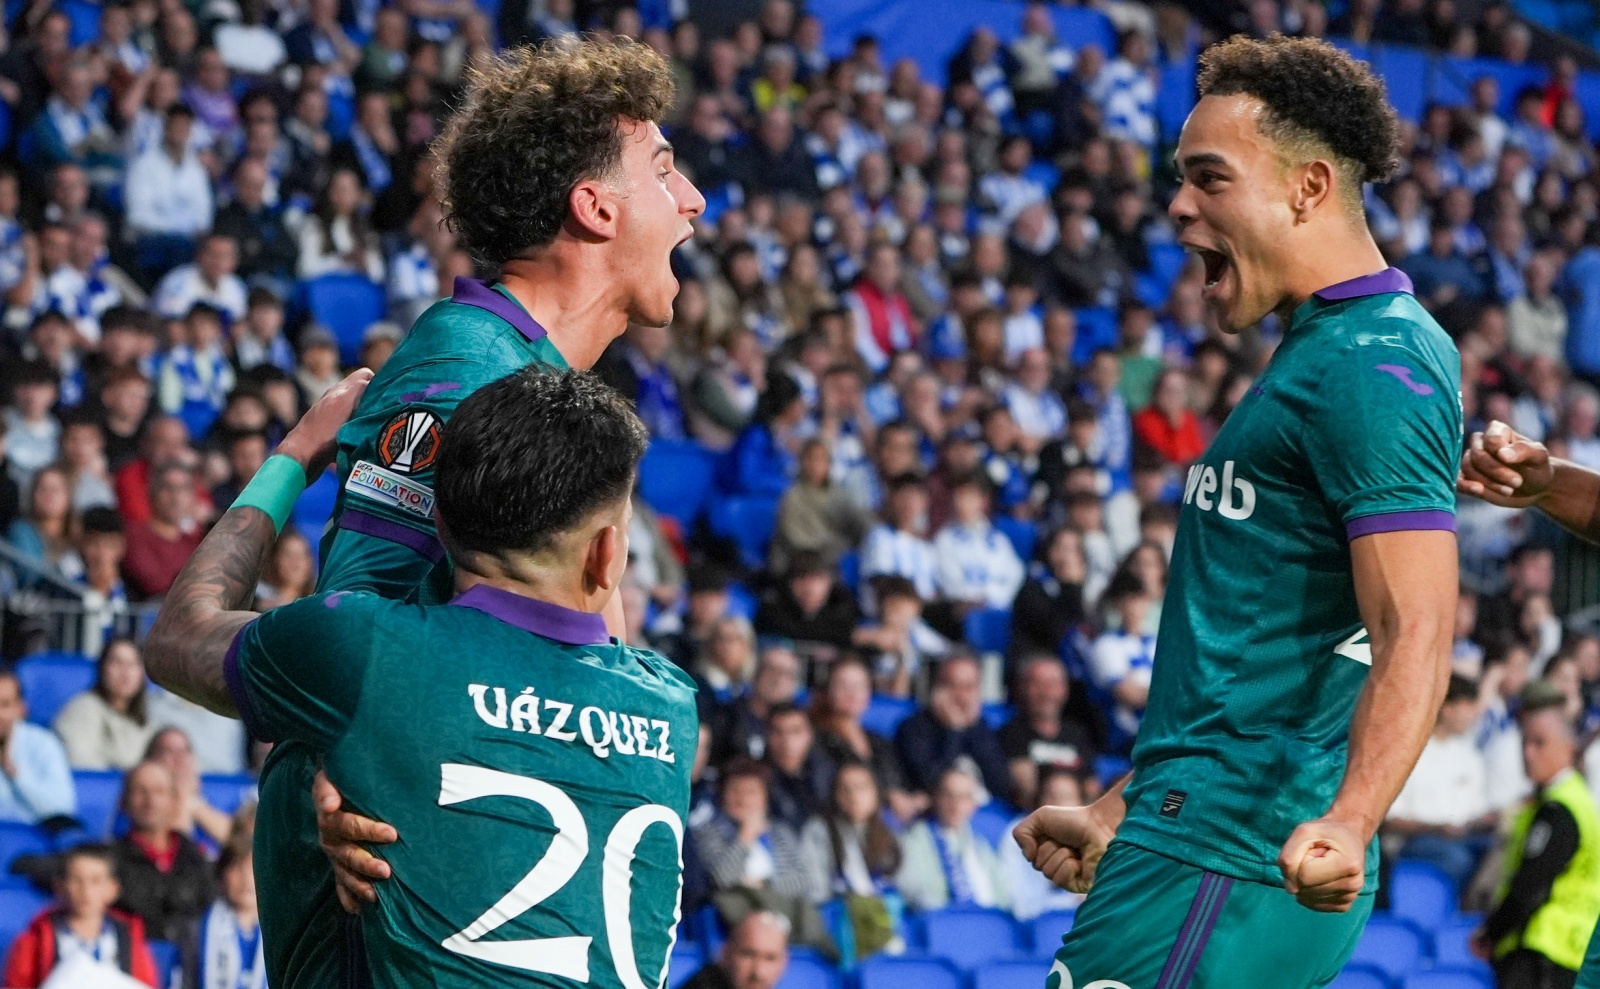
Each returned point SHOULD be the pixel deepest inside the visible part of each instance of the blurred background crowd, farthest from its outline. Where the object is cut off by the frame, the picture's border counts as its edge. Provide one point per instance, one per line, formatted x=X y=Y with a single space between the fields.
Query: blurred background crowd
x=921 y=423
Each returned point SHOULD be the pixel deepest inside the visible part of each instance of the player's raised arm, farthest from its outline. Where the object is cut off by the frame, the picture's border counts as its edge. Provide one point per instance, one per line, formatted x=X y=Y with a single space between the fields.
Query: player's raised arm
x=1505 y=468
x=204 y=609
x=1405 y=585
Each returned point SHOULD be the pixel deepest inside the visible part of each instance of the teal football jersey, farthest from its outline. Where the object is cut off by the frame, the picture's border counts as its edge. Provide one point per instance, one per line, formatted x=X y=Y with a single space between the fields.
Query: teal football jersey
x=382 y=536
x=382 y=539
x=536 y=770
x=1353 y=429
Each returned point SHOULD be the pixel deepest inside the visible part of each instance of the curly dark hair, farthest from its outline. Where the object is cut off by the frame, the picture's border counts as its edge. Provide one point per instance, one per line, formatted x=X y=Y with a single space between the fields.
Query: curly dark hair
x=535 y=122
x=1318 y=100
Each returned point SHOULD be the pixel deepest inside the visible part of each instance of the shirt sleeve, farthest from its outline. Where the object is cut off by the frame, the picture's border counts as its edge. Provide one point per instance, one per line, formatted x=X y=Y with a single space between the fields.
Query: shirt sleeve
x=297 y=671
x=1384 y=443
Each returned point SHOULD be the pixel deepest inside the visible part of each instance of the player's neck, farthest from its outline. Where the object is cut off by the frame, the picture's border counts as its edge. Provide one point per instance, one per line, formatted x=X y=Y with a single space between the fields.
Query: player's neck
x=1341 y=253
x=548 y=588
x=572 y=302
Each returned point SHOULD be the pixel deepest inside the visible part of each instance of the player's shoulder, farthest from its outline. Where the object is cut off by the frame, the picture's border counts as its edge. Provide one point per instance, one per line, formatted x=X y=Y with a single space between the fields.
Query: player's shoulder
x=450 y=332
x=339 y=608
x=659 y=667
x=1389 y=333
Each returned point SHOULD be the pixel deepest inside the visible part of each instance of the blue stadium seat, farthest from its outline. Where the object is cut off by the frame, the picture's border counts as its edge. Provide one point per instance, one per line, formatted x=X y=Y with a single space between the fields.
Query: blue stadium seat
x=884 y=714
x=1079 y=26
x=17 y=907
x=1453 y=79
x=98 y=794
x=989 y=630
x=17 y=840
x=1545 y=13
x=1048 y=929
x=685 y=960
x=315 y=506
x=85 y=18
x=227 y=793
x=748 y=520
x=50 y=679
x=1393 y=946
x=1422 y=894
x=909 y=973
x=1110 y=768
x=1044 y=173
x=1150 y=291
x=996 y=715
x=1447 y=978
x=1097 y=329
x=741 y=601
x=346 y=305
x=1175 y=98
x=1361 y=977
x=970 y=938
x=850 y=571
x=1011 y=975
x=1588 y=93
x=1167 y=262
x=675 y=479
x=165 y=956
x=1405 y=73
x=992 y=821
x=805 y=972
x=1452 y=944
x=1024 y=536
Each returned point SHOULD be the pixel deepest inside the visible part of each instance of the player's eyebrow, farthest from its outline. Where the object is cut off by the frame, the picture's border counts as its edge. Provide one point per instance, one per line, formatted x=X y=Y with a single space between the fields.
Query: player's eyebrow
x=665 y=147
x=1196 y=160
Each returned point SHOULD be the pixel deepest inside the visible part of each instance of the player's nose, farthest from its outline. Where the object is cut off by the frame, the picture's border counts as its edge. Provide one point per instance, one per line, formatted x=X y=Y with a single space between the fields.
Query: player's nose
x=1181 y=211
x=690 y=201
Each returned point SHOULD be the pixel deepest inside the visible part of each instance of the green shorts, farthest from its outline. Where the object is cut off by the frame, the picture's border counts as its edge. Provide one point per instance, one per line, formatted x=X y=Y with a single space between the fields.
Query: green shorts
x=1589 y=975
x=1153 y=922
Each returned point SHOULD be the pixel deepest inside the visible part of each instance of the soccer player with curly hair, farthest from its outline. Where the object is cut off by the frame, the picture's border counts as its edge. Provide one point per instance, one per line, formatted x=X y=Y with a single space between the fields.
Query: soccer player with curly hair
x=556 y=178
x=1305 y=642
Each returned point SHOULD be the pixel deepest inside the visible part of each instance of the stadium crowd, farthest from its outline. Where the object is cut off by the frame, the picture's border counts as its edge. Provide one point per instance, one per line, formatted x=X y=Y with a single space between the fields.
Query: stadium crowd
x=935 y=352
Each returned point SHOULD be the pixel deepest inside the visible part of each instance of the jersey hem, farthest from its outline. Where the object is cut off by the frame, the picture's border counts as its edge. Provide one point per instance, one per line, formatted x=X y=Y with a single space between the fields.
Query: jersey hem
x=1203 y=857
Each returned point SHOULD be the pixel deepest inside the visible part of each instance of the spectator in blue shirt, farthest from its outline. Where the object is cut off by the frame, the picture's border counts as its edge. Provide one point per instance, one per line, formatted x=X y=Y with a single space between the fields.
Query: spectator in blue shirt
x=766 y=455
x=1441 y=274
x=1580 y=289
x=35 y=778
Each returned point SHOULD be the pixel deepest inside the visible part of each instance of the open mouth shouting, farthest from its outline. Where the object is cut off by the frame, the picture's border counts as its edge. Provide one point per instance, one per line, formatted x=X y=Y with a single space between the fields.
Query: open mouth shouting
x=1216 y=263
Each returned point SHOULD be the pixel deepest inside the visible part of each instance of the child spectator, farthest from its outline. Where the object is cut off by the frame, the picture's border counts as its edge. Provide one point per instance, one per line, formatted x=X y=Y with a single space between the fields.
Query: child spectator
x=976 y=566
x=108 y=726
x=81 y=934
x=901 y=643
x=195 y=376
x=898 y=546
x=258 y=338
x=83 y=454
x=1122 y=657
x=102 y=547
x=230 y=937
x=33 y=436
x=319 y=363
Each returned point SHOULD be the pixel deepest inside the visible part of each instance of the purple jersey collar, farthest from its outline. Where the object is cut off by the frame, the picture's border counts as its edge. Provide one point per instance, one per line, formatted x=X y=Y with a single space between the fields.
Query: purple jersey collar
x=1387 y=281
x=575 y=628
x=472 y=292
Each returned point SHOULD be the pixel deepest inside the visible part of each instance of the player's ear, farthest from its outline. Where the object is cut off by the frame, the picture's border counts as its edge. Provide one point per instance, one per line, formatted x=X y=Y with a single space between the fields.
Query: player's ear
x=593 y=210
x=1314 y=187
x=606 y=550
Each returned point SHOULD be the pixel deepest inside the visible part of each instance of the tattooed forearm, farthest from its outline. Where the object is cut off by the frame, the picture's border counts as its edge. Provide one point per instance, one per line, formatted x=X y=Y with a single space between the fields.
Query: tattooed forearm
x=204 y=610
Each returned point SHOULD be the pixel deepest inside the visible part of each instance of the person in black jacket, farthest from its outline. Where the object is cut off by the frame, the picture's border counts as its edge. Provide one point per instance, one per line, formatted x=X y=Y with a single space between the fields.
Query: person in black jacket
x=777 y=161
x=809 y=607
x=952 y=726
x=1043 y=736
x=1050 y=603
x=802 y=774
x=754 y=956
x=166 y=879
x=1551 y=843
x=740 y=726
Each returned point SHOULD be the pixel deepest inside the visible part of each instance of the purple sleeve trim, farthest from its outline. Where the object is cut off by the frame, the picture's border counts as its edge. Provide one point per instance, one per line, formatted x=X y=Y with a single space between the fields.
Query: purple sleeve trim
x=420 y=543
x=240 y=693
x=1433 y=518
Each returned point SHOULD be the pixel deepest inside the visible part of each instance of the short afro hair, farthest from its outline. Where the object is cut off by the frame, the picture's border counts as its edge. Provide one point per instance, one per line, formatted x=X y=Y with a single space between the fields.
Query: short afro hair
x=532 y=456
x=535 y=122
x=1318 y=101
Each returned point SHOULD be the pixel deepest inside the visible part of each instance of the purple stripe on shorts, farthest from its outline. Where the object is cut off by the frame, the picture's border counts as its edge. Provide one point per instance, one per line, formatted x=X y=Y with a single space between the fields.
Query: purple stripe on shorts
x=1191 y=922
x=420 y=543
x=238 y=691
x=1219 y=899
x=1433 y=518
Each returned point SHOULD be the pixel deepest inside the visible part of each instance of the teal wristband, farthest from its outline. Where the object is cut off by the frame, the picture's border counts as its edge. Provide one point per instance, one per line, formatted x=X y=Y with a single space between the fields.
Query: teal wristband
x=274 y=489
